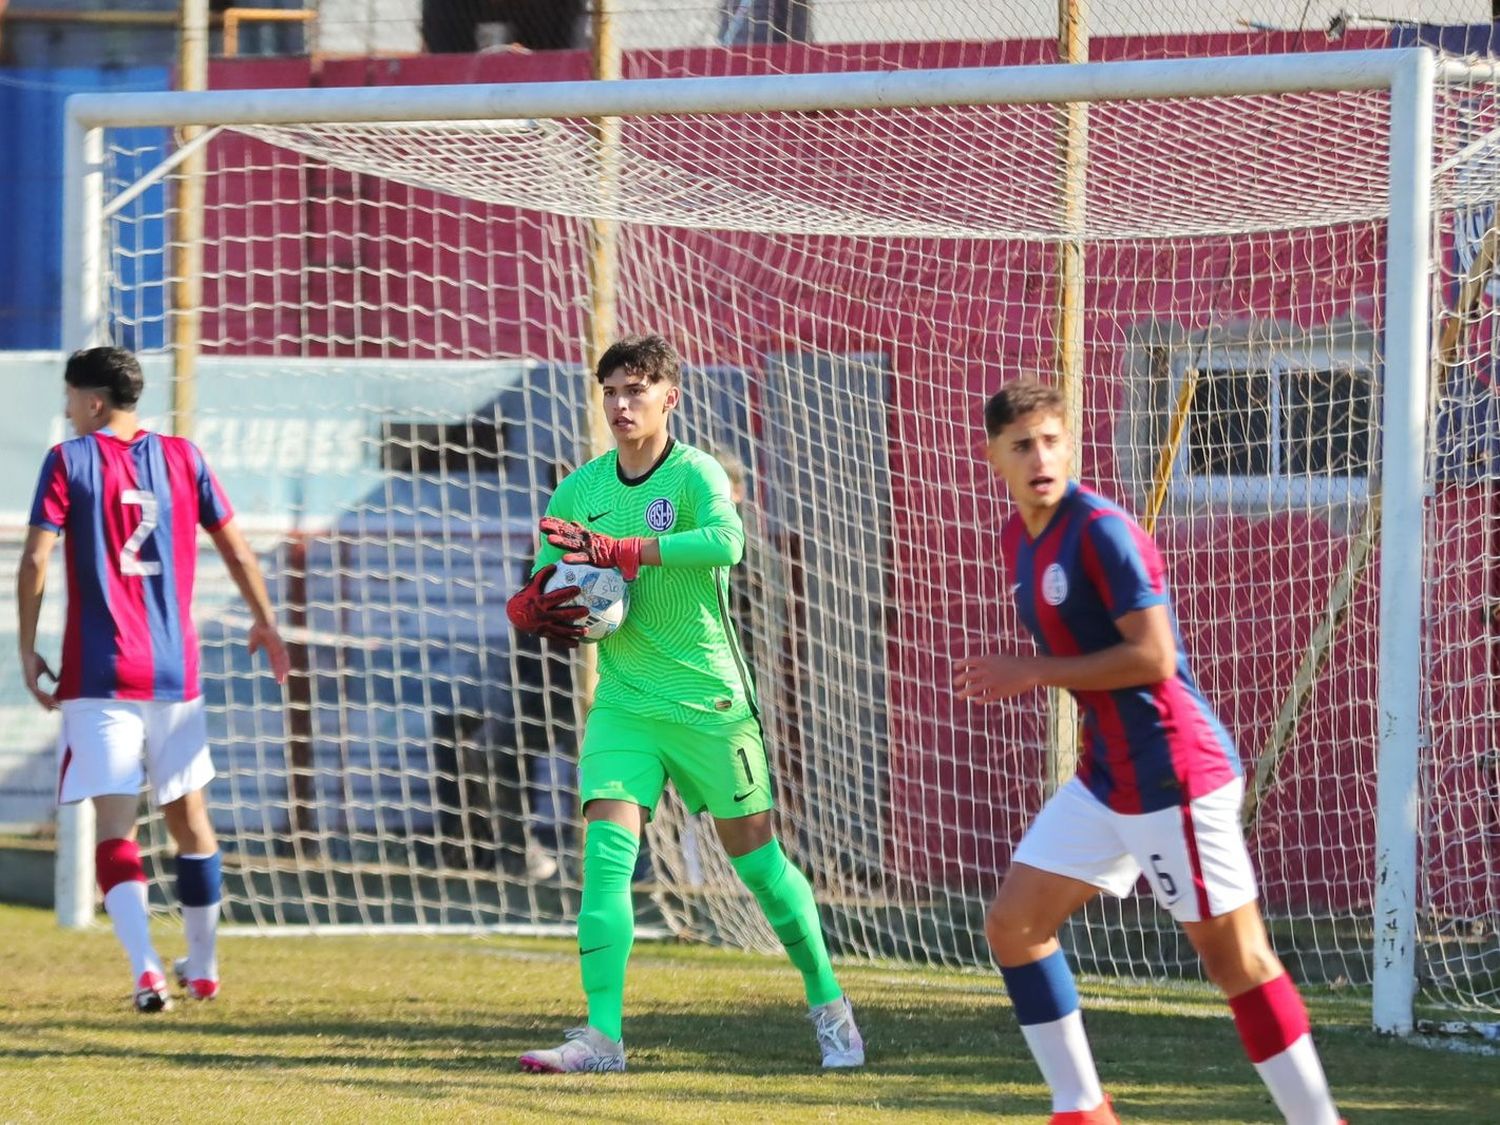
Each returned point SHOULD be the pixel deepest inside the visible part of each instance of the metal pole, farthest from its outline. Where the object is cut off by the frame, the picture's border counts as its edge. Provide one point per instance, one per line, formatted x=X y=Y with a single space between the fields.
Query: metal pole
x=1403 y=444
x=83 y=207
x=1001 y=85
x=1072 y=48
x=187 y=226
x=83 y=211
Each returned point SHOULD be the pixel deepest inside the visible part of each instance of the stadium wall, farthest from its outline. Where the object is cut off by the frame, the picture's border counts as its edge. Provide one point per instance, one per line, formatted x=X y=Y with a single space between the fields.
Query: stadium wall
x=946 y=785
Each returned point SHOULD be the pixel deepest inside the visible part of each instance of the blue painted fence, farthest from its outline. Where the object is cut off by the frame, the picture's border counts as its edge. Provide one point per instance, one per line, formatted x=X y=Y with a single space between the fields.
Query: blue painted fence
x=31 y=191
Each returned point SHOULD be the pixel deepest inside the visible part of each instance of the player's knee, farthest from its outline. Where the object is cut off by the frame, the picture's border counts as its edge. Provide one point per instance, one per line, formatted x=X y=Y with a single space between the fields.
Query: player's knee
x=1236 y=967
x=743 y=835
x=1013 y=934
x=189 y=825
x=994 y=932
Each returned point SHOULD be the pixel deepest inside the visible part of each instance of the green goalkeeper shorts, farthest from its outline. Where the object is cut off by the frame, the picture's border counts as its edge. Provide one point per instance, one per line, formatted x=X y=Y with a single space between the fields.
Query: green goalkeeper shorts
x=718 y=768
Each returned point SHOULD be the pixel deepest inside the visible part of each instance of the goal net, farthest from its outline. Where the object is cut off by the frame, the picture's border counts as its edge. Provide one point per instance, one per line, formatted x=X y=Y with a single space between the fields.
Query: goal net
x=389 y=364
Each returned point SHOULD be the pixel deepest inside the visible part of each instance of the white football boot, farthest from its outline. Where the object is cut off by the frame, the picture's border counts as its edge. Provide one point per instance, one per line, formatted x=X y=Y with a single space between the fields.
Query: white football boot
x=583 y=1049
x=838 y=1035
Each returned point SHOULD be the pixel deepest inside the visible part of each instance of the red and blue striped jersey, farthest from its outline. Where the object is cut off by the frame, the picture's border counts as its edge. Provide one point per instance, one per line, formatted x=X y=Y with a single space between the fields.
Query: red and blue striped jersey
x=129 y=512
x=1145 y=748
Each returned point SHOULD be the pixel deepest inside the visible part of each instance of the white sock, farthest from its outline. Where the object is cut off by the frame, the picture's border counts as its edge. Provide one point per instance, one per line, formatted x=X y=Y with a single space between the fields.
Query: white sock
x=201 y=925
x=1298 y=1086
x=1061 y=1050
x=126 y=905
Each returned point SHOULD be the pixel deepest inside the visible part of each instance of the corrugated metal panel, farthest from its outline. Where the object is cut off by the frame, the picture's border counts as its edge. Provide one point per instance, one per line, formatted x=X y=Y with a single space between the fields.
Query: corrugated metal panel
x=1460 y=39
x=31 y=189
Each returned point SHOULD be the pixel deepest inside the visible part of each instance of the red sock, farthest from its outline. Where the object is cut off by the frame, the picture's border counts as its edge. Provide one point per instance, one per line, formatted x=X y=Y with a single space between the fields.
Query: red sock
x=1270 y=1018
x=117 y=861
x=1272 y=1022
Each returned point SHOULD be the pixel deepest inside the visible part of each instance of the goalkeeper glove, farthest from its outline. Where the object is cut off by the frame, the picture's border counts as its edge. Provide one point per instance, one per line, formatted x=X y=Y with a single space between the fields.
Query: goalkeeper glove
x=594 y=547
x=532 y=609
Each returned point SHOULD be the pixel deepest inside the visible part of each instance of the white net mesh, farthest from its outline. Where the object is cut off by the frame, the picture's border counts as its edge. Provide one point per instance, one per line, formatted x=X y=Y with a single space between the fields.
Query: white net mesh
x=1459 y=842
x=949 y=172
x=392 y=329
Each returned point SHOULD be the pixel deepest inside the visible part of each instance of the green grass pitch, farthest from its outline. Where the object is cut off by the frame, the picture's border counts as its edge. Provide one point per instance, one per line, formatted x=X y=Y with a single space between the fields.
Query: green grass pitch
x=427 y=1029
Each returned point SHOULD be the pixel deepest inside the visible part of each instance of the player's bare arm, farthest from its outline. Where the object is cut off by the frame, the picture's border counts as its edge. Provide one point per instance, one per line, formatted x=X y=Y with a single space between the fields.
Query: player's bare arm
x=239 y=560
x=1146 y=654
x=31 y=582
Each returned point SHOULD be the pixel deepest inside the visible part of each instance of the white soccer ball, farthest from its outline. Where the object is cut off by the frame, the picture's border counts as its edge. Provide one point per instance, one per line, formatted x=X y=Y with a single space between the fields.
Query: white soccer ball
x=603 y=592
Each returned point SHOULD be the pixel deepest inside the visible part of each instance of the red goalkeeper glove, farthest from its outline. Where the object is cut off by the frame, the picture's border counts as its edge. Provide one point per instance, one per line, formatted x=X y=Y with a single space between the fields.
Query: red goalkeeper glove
x=594 y=547
x=532 y=609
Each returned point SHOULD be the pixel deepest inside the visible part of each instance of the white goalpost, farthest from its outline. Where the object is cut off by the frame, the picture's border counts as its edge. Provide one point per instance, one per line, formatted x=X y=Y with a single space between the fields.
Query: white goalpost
x=394 y=324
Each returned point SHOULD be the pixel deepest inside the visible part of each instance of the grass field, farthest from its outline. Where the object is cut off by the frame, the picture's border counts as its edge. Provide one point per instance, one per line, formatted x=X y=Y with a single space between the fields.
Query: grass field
x=401 y=1029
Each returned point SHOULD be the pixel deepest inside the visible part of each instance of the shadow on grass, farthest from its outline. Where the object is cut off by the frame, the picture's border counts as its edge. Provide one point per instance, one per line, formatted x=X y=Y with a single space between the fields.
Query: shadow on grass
x=937 y=1060
x=408 y=1029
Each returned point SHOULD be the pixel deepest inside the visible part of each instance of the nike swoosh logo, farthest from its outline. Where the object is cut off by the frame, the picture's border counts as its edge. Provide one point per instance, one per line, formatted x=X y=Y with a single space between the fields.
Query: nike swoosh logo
x=586 y=952
x=600 y=515
x=738 y=797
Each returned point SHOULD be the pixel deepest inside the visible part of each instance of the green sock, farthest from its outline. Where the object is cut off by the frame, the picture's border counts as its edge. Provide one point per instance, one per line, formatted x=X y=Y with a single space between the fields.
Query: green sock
x=787 y=900
x=606 y=921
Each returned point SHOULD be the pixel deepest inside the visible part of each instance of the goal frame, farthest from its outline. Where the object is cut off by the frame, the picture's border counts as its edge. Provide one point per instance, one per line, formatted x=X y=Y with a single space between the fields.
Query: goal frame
x=1409 y=74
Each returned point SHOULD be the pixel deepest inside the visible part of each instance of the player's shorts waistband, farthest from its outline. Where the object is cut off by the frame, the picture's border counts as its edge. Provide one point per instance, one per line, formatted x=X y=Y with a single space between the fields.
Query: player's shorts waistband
x=622 y=716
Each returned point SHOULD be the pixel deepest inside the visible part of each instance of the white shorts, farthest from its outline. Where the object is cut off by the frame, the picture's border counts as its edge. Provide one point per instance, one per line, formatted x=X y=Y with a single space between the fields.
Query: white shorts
x=99 y=751
x=1194 y=857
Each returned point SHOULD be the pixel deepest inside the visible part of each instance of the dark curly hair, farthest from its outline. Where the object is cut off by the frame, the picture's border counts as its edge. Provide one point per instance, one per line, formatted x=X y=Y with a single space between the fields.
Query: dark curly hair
x=650 y=357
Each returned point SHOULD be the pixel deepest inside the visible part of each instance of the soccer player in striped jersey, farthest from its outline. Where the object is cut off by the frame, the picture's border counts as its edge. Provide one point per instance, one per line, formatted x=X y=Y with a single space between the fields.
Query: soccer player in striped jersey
x=1159 y=786
x=674 y=698
x=128 y=503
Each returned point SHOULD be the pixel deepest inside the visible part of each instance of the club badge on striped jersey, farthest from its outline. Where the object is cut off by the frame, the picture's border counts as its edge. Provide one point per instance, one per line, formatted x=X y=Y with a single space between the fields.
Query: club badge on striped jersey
x=1054 y=585
x=660 y=514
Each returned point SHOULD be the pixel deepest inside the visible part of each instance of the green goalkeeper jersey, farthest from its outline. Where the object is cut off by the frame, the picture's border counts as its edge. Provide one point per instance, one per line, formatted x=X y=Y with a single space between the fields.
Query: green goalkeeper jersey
x=677 y=655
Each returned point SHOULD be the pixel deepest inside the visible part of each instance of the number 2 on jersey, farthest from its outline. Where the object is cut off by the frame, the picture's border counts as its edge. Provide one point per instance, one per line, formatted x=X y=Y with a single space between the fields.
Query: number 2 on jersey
x=131 y=565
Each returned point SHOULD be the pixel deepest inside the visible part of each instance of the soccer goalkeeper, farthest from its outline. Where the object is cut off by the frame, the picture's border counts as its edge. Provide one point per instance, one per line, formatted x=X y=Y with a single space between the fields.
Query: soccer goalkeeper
x=674 y=698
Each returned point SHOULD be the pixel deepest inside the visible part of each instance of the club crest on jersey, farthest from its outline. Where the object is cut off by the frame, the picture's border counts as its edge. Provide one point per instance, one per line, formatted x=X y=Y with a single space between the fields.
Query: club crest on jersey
x=660 y=514
x=1054 y=585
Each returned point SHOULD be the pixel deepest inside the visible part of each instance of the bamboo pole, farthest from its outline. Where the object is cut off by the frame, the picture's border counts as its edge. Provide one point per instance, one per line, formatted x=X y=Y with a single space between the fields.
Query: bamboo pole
x=1072 y=47
x=603 y=276
x=1168 y=455
x=604 y=250
x=187 y=226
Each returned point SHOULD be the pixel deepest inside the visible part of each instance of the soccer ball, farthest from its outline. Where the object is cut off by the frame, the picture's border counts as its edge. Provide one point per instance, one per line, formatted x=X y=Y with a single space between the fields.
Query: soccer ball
x=603 y=592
